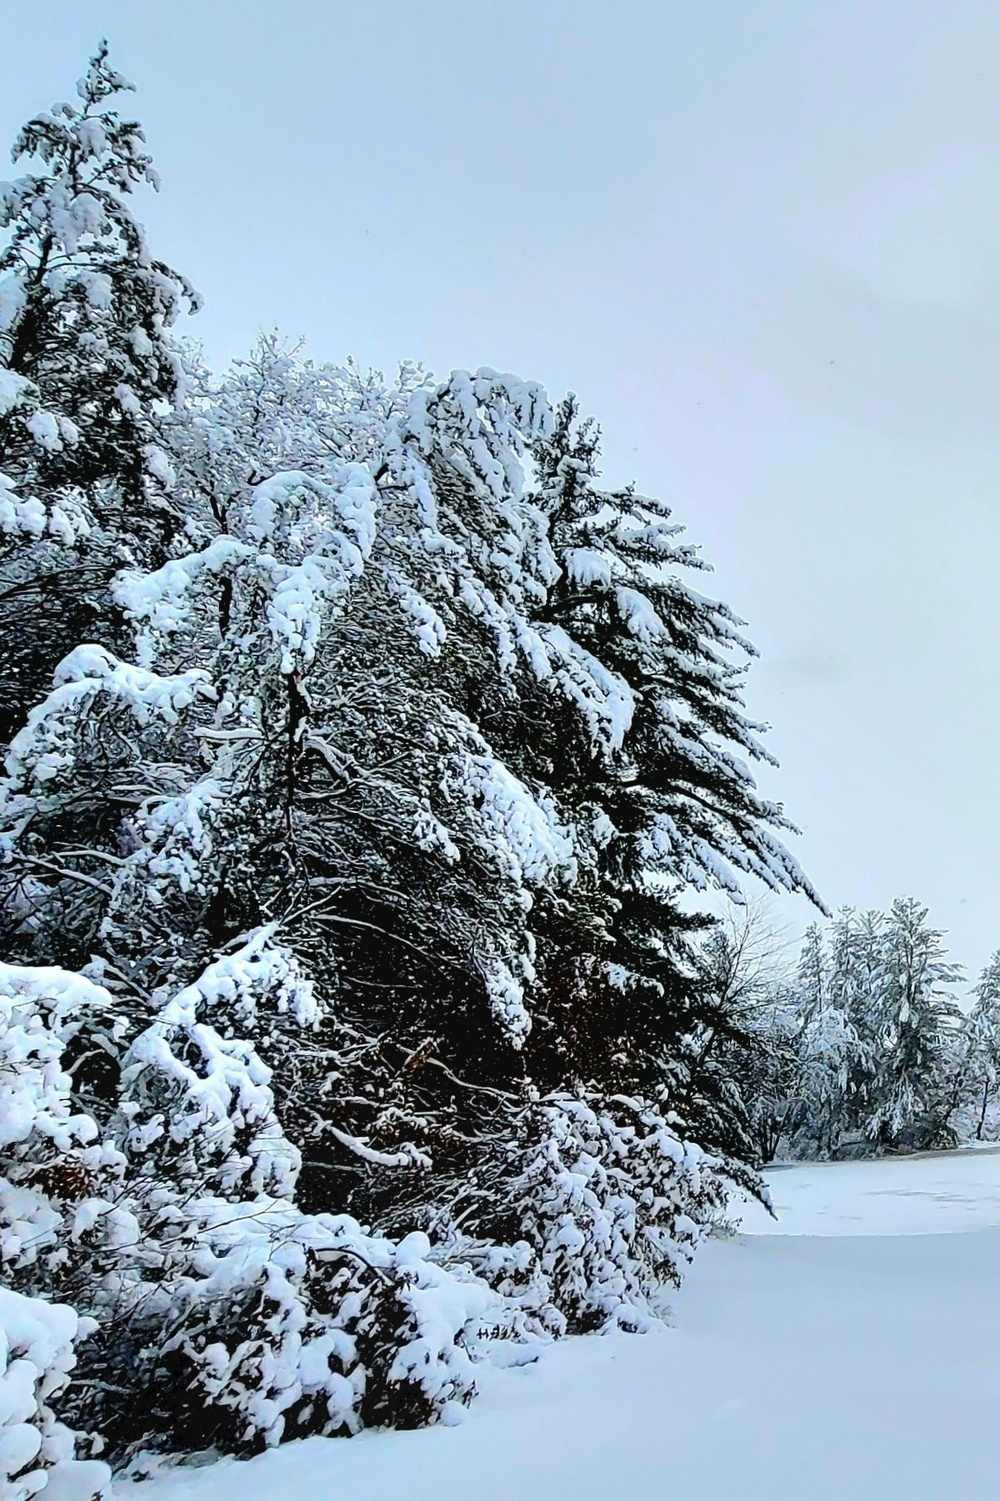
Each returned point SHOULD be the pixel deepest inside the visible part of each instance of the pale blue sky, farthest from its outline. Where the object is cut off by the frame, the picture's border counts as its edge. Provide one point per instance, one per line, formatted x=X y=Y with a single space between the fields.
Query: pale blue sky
x=761 y=240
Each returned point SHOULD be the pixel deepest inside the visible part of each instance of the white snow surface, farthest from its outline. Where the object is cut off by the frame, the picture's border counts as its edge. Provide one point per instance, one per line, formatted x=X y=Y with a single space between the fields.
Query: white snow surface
x=928 y=1194
x=848 y=1350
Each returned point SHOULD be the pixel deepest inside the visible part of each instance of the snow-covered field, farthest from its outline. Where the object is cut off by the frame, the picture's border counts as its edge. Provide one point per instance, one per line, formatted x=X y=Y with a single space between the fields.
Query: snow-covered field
x=927 y=1195
x=850 y=1351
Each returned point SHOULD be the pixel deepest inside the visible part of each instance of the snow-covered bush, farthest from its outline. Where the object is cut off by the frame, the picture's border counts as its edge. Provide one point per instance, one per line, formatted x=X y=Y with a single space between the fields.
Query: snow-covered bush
x=37 y=1452
x=613 y=1202
x=334 y=1329
x=246 y=1320
x=267 y=1324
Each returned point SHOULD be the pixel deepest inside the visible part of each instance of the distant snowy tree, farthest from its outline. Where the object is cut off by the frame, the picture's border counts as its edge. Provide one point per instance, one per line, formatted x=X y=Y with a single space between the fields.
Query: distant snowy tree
x=829 y=1050
x=983 y=1040
x=862 y=1049
x=881 y=1040
x=915 y=1019
x=813 y=976
x=856 y=987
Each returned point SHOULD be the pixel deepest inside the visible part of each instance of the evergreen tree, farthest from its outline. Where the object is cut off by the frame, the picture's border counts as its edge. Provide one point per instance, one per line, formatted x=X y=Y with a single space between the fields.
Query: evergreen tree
x=86 y=370
x=914 y=1020
x=86 y=308
x=856 y=985
x=657 y=670
x=828 y=1048
x=864 y=1049
x=983 y=1040
x=813 y=978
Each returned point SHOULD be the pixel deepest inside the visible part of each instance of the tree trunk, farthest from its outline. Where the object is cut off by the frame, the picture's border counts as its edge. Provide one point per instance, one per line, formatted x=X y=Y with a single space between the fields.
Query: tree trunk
x=982 y=1113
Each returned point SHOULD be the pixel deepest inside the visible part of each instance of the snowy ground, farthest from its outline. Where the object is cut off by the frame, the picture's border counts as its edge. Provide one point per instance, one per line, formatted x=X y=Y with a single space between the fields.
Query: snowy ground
x=850 y=1351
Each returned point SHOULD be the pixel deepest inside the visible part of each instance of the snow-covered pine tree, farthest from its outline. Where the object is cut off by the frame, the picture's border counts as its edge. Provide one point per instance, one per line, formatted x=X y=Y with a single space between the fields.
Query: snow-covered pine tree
x=982 y=1042
x=86 y=307
x=474 y=647
x=827 y=1048
x=915 y=1020
x=121 y=858
x=857 y=979
x=881 y=1057
x=85 y=368
x=656 y=672
x=812 y=976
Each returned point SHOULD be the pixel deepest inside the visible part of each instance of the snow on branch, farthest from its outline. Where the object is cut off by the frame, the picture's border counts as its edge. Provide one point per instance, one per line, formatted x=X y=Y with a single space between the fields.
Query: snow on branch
x=189 y=1085
x=44 y=749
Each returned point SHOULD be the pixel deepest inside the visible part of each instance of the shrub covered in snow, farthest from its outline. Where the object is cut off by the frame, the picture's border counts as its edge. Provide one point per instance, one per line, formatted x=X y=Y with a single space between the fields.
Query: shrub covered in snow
x=37 y=1452
x=613 y=1202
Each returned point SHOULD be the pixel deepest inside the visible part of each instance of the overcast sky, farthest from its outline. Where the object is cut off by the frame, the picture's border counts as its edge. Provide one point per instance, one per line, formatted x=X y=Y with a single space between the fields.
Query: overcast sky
x=759 y=238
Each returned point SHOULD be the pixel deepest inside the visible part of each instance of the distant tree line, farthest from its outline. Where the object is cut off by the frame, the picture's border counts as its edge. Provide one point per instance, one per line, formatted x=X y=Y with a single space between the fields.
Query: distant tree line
x=862 y=1048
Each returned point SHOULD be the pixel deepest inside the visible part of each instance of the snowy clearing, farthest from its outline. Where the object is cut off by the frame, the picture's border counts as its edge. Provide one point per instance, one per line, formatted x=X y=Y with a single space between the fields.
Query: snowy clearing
x=920 y=1195
x=851 y=1353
